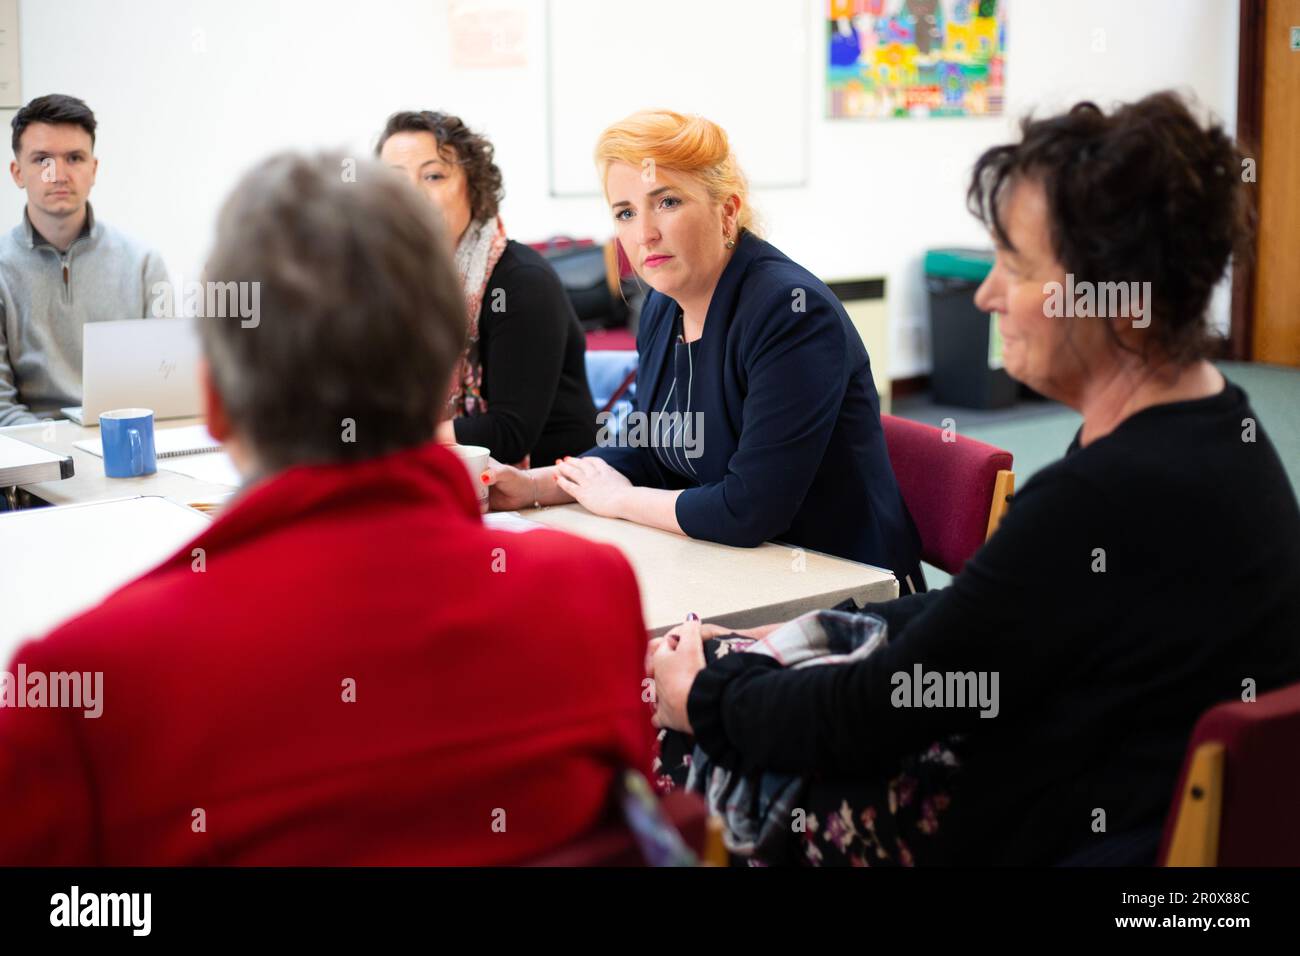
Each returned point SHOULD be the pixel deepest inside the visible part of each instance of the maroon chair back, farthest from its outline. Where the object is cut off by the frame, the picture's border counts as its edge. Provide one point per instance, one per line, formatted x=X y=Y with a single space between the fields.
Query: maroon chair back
x=947 y=485
x=1261 y=779
x=612 y=843
x=611 y=340
x=560 y=243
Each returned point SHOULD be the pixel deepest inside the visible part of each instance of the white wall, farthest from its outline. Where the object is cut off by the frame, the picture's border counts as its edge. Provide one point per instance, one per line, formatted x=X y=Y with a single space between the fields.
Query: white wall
x=190 y=92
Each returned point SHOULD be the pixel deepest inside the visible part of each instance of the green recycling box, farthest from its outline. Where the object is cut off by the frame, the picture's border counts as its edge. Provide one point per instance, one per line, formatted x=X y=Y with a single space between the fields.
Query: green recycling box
x=965 y=348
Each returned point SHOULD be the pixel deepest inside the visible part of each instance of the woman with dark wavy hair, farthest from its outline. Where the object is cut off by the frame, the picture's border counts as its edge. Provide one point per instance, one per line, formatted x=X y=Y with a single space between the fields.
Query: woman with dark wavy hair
x=1151 y=573
x=521 y=387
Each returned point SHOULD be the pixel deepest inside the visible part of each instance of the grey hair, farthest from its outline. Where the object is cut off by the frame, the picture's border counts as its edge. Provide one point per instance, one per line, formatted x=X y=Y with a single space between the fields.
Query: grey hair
x=361 y=314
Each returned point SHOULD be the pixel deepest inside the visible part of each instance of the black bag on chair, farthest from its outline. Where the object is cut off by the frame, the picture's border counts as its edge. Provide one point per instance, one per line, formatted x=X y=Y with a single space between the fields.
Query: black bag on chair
x=583 y=274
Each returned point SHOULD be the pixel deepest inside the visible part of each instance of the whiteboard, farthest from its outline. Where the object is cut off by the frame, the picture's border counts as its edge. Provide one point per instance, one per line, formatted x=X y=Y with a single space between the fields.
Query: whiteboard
x=742 y=63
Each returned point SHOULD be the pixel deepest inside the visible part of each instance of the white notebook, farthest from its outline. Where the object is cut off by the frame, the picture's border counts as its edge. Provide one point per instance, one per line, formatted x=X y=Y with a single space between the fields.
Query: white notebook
x=167 y=442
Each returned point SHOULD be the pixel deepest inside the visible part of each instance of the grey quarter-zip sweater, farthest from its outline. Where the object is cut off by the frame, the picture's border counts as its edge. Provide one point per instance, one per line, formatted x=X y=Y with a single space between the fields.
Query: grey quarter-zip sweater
x=48 y=296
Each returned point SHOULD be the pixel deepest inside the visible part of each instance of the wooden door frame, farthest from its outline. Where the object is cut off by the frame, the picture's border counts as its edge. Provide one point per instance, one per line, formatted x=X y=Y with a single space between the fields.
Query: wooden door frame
x=1250 y=118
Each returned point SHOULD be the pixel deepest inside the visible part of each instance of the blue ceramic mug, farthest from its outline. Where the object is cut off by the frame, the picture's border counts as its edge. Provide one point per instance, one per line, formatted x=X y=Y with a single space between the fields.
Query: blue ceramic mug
x=127 y=437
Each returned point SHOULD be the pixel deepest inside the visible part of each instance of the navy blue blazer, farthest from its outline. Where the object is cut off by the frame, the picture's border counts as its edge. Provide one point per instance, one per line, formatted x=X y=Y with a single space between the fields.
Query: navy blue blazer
x=792 y=444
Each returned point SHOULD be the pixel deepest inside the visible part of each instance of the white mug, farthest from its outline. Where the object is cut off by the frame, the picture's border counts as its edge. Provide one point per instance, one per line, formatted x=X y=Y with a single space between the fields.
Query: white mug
x=476 y=458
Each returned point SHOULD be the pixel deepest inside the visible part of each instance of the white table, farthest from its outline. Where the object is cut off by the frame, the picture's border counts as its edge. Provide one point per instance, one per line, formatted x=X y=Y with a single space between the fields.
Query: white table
x=89 y=483
x=22 y=461
x=736 y=587
x=57 y=562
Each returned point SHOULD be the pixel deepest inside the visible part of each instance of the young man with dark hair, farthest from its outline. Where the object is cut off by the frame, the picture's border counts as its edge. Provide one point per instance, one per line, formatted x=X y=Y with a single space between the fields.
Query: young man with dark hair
x=61 y=267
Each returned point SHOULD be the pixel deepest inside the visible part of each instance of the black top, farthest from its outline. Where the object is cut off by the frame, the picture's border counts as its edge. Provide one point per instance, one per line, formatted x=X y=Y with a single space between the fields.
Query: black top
x=1132 y=585
x=789 y=444
x=534 y=366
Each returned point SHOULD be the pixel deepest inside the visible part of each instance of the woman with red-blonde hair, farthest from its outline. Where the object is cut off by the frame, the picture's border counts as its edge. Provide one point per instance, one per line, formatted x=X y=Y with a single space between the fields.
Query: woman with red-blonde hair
x=757 y=417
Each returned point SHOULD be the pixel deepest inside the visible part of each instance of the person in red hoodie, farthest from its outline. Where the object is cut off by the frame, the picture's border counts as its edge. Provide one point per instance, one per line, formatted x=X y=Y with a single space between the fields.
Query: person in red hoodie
x=347 y=667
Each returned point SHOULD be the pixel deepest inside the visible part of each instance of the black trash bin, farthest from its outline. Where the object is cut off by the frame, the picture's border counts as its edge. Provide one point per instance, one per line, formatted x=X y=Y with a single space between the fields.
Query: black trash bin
x=965 y=347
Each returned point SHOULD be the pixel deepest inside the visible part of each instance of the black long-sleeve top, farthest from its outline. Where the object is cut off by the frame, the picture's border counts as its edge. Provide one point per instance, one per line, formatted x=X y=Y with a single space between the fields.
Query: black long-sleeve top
x=1131 y=586
x=534 y=366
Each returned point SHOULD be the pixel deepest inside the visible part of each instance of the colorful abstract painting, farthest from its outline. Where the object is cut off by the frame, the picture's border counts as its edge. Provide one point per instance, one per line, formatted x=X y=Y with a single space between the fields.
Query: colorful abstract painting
x=916 y=58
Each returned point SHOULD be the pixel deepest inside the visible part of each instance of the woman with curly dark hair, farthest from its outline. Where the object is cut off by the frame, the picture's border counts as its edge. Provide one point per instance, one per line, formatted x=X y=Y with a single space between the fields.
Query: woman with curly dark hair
x=521 y=387
x=1037 y=710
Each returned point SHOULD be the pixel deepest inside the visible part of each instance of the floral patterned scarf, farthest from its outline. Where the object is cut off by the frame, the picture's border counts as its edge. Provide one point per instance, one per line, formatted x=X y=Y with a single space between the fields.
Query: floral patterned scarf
x=477 y=255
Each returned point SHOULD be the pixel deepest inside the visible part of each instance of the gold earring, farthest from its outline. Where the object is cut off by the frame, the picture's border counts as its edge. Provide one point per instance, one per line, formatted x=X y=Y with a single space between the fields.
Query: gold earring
x=731 y=243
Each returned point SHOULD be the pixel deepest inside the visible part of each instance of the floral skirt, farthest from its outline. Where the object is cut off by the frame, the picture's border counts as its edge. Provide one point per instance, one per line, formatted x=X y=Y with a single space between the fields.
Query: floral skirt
x=893 y=820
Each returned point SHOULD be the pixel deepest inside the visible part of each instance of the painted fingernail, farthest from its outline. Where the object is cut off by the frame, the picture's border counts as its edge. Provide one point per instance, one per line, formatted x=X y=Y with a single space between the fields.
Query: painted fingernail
x=692 y=616
x=484 y=477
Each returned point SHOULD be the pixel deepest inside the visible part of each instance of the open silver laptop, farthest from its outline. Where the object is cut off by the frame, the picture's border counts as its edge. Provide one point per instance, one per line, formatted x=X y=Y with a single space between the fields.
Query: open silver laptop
x=139 y=363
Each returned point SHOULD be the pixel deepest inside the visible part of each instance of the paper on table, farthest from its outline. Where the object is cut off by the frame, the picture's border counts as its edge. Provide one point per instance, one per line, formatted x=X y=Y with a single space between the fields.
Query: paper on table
x=215 y=468
x=510 y=521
